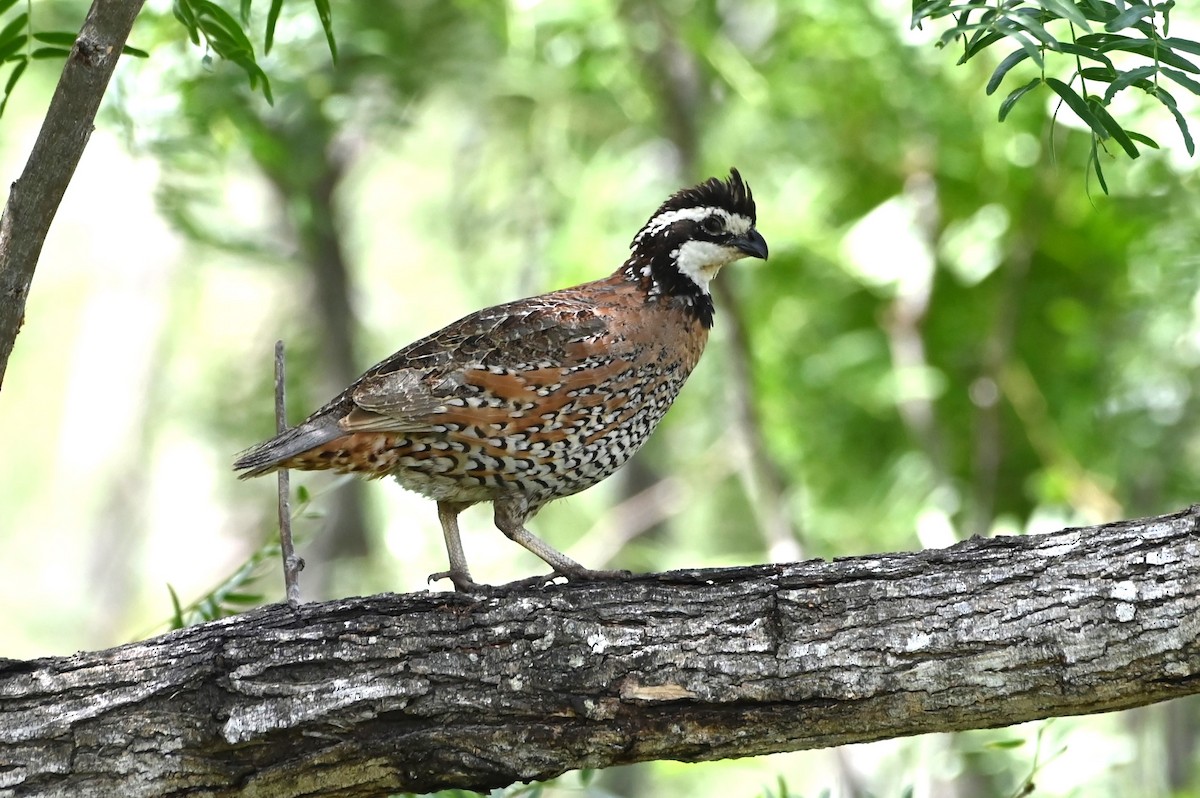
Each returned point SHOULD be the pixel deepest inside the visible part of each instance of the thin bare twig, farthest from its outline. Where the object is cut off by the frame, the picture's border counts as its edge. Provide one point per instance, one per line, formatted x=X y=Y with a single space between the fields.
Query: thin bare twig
x=292 y=565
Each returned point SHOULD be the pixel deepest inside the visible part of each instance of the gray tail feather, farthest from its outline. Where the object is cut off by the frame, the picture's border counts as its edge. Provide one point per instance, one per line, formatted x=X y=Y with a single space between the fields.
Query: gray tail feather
x=266 y=456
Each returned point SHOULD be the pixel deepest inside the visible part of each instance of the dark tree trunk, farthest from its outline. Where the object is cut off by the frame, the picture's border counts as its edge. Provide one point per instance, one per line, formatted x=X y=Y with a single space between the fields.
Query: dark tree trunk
x=433 y=690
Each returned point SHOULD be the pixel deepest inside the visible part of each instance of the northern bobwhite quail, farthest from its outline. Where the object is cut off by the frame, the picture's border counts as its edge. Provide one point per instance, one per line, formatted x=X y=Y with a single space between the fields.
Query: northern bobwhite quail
x=540 y=398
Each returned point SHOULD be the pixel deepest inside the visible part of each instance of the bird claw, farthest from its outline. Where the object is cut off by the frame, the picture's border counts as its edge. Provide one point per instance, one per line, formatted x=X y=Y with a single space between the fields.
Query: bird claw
x=581 y=575
x=463 y=583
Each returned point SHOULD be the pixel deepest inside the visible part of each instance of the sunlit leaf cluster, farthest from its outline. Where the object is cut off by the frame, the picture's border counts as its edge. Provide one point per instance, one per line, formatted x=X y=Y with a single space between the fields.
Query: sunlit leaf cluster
x=1083 y=40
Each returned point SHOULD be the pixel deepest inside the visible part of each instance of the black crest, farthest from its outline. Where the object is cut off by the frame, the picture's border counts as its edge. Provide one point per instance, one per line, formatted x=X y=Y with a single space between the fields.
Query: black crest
x=732 y=194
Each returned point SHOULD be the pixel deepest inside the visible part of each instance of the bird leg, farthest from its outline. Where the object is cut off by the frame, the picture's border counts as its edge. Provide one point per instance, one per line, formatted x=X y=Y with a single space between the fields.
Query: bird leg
x=459 y=574
x=511 y=514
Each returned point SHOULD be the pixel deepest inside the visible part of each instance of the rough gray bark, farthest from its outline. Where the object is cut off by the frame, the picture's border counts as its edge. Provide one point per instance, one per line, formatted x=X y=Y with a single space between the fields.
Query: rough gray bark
x=34 y=198
x=432 y=690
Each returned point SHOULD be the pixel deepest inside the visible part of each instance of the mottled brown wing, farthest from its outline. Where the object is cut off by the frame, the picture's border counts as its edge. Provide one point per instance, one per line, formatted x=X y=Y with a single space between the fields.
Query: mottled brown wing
x=510 y=348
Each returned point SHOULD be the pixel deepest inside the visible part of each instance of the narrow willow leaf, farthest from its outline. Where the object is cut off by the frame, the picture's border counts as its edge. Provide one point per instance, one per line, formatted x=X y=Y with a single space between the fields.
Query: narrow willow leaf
x=1095 y=159
x=272 y=18
x=1150 y=50
x=1006 y=744
x=6 y=4
x=1078 y=105
x=1031 y=25
x=244 y=599
x=1017 y=94
x=978 y=45
x=1182 y=80
x=1129 y=16
x=1028 y=45
x=13 y=49
x=183 y=12
x=1168 y=100
x=1187 y=45
x=1065 y=10
x=176 y=609
x=1114 y=128
x=1126 y=79
x=1144 y=139
x=46 y=53
x=244 y=12
x=1100 y=74
x=11 y=83
x=1010 y=61
x=224 y=20
x=1098 y=11
x=64 y=38
x=327 y=23
x=1088 y=53
x=14 y=29
x=134 y=52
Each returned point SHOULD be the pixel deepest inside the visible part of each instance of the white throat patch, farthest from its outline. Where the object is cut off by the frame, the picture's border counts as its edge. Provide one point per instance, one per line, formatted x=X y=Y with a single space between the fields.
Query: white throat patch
x=700 y=261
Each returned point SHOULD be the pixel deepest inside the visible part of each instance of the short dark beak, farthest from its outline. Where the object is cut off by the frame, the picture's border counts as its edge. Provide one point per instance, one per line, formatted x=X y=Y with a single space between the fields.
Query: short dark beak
x=752 y=244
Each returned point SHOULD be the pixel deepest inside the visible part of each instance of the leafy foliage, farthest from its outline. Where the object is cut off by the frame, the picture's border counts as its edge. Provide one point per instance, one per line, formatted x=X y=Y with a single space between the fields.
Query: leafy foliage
x=1091 y=31
x=240 y=590
x=17 y=37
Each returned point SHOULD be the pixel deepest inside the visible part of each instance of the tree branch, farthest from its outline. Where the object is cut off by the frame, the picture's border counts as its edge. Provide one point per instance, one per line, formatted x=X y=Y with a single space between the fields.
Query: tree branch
x=432 y=690
x=34 y=198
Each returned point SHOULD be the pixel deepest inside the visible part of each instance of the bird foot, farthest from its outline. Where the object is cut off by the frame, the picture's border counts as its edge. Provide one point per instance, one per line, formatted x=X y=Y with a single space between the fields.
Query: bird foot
x=463 y=583
x=580 y=575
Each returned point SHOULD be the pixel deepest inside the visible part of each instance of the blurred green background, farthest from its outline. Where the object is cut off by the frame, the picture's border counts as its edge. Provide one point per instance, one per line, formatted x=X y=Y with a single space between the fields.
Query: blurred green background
x=957 y=333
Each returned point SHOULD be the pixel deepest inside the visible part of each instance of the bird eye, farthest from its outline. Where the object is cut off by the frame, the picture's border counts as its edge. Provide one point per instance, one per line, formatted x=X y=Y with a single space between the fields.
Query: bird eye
x=712 y=225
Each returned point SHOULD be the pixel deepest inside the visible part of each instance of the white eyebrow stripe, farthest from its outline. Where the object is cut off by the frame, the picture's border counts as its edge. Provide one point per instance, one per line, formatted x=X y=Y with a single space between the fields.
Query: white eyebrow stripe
x=735 y=223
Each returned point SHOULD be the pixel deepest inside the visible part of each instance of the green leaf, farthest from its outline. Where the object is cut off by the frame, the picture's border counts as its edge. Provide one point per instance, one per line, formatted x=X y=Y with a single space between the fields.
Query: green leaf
x=1182 y=80
x=1187 y=45
x=1101 y=74
x=1098 y=11
x=135 y=52
x=1028 y=45
x=326 y=16
x=46 y=53
x=1086 y=52
x=1014 y=22
x=272 y=18
x=244 y=11
x=224 y=20
x=1078 y=105
x=1149 y=142
x=1114 y=129
x=302 y=494
x=1126 y=79
x=18 y=70
x=1166 y=99
x=64 y=38
x=1094 y=158
x=176 y=609
x=183 y=12
x=1129 y=16
x=1005 y=744
x=14 y=30
x=6 y=4
x=1148 y=49
x=1065 y=10
x=1017 y=94
x=13 y=49
x=978 y=44
x=1011 y=60
x=248 y=599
